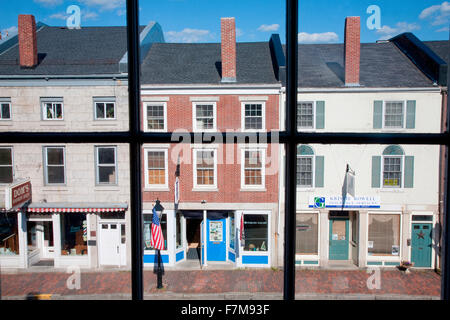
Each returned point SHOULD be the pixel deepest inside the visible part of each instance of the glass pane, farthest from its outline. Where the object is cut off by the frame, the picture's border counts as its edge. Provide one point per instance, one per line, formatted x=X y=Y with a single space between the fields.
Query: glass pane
x=55 y=156
x=9 y=237
x=55 y=175
x=73 y=237
x=100 y=109
x=256 y=232
x=5 y=157
x=107 y=174
x=106 y=155
x=5 y=111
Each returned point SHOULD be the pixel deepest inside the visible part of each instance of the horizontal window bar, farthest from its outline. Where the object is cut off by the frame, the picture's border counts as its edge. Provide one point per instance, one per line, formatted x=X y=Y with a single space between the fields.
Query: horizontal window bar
x=227 y=138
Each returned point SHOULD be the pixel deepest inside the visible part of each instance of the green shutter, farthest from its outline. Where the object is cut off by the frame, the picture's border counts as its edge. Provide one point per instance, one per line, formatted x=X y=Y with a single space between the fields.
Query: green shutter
x=409 y=172
x=376 y=171
x=411 y=114
x=320 y=114
x=377 y=114
x=319 y=174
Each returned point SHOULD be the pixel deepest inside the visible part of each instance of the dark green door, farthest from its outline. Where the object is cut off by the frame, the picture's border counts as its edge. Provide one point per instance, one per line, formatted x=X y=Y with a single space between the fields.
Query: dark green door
x=338 y=239
x=421 y=245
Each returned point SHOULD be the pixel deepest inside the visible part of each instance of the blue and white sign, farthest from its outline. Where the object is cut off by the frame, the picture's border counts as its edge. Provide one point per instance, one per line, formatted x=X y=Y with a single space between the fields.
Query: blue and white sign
x=350 y=202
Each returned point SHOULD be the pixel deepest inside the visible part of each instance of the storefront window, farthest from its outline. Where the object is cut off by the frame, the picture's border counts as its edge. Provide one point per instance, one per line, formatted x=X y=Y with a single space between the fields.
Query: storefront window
x=256 y=232
x=9 y=238
x=307 y=234
x=232 y=232
x=31 y=236
x=178 y=232
x=384 y=235
x=73 y=234
x=148 y=230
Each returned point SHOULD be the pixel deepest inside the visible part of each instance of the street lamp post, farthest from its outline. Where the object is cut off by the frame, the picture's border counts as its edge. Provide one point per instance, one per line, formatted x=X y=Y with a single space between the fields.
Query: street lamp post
x=159 y=209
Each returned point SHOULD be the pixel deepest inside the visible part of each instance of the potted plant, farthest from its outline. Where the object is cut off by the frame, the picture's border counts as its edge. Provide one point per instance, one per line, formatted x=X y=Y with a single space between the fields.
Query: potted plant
x=405 y=265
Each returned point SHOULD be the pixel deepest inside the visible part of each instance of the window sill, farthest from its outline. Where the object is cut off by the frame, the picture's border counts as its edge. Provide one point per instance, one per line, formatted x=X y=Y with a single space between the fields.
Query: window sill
x=105 y=123
x=165 y=189
x=53 y=124
x=107 y=188
x=55 y=188
x=305 y=189
x=249 y=189
x=199 y=189
x=392 y=190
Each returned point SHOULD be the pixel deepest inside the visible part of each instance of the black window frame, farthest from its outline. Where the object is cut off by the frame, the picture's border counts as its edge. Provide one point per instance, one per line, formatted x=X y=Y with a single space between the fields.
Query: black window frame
x=290 y=138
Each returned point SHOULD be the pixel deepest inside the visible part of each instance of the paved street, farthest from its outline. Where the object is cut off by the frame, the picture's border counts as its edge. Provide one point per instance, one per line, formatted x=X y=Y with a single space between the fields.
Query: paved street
x=225 y=284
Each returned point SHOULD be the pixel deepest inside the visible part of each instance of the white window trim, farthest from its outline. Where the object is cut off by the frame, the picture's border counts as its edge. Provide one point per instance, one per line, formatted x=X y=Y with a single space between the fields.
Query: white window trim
x=263 y=169
x=383 y=126
x=384 y=258
x=313 y=175
x=96 y=118
x=97 y=166
x=194 y=116
x=197 y=187
x=313 y=115
x=12 y=162
x=402 y=163
x=145 y=113
x=10 y=111
x=299 y=257
x=157 y=187
x=263 y=107
x=46 y=183
x=44 y=109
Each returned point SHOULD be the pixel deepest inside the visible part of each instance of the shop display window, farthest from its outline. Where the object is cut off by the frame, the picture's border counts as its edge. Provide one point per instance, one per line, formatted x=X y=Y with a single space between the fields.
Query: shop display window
x=384 y=235
x=9 y=237
x=307 y=233
x=73 y=234
x=256 y=232
x=148 y=230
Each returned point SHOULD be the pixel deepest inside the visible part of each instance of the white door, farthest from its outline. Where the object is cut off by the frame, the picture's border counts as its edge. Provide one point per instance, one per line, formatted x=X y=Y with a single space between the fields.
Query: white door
x=48 y=249
x=110 y=244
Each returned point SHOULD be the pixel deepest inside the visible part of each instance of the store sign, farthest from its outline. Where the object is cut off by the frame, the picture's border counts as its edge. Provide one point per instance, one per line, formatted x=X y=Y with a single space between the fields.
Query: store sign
x=350 y=202
x=17 y=194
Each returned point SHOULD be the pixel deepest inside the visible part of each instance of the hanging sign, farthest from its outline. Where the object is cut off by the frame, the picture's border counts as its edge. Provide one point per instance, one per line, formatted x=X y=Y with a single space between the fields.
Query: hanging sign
x=17 y=194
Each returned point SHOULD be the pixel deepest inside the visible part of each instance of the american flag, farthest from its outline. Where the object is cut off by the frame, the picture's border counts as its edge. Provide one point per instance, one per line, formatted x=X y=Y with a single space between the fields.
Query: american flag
x=157 y=236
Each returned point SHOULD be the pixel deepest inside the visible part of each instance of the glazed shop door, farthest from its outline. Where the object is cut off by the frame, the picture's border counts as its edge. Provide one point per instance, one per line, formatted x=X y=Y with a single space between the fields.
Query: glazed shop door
x=48 y=248
x=421 y=245
x=338 y=239
x=216 y=240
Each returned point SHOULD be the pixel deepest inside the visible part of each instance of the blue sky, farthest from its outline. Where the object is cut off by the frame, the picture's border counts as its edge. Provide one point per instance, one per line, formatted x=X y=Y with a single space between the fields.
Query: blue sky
x=256 y=20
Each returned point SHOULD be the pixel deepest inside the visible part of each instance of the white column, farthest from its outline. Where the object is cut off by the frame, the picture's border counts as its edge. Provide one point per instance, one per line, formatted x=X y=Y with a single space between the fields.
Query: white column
x=205 y=238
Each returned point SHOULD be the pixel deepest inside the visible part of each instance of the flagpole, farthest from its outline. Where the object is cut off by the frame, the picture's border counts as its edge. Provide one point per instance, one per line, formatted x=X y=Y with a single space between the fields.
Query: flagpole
x=159 y=272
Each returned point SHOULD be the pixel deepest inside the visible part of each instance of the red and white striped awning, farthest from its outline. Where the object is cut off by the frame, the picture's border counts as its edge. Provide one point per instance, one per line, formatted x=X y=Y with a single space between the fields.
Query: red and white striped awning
x=75 y=210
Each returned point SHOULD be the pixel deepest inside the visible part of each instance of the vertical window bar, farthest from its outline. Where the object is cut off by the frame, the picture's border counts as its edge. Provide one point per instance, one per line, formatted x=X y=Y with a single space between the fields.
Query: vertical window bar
x=291 y=149
x=135 y=150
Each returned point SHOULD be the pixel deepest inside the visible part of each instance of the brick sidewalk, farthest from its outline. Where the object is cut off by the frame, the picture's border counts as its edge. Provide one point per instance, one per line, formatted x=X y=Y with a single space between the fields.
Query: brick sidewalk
x=393 y=282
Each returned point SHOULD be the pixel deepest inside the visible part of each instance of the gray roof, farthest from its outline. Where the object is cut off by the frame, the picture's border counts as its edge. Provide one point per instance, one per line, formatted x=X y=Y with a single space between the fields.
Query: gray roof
x=200 y=63
x=441 y=48
x=87 y=51
x=383 y=65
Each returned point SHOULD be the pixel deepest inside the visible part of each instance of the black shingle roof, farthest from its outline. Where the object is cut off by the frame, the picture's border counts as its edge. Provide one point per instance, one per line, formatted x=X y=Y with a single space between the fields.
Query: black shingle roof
x=174 y=63
x=87 y=51
x=383 y=65
x=441 y=48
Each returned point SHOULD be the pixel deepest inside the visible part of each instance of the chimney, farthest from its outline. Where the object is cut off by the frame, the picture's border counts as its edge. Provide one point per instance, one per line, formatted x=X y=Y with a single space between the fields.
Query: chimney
x=352 y=50
x=228 y=35
x=27 y=41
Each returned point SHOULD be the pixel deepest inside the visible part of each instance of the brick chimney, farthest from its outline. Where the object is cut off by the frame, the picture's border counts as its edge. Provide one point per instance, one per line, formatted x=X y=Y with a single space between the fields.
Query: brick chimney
x=352 y=50
x=27 y=41
x=228 y=35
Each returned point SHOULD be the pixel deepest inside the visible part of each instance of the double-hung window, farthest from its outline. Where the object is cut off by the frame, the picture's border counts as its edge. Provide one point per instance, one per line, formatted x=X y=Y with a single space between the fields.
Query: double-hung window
x=6 y=165
x=52 y=109
x=156 y=168
x=204 y=116
x=156 y=117
x=205 y=171
x=310 y=168
x=393 y=169
x=305 y=115
x=393 y=114
x=253 y=168
x=254 y=117
x=106 y=165
x=5 y=109
x=305 y=171
x=54 y=160
x=105 y=108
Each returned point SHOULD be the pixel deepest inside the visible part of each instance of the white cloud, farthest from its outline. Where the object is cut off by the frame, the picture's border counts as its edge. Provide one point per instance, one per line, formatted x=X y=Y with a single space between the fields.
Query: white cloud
x=325 y=37
x=188 y=35
x=11 y=31
x=444 y=29
x=388 y=32
x=239 y=32
x=49 y=3
x=268 y=27
x=438 y=14
x=104 y=4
